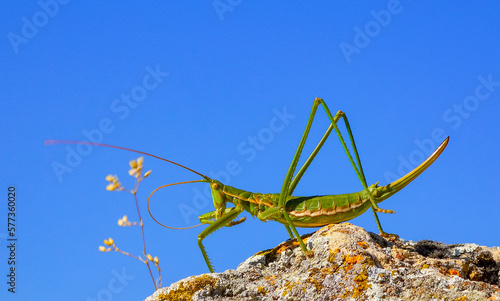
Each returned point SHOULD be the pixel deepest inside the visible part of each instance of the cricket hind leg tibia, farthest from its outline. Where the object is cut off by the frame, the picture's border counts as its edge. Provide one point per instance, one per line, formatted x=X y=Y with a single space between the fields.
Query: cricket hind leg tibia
x=358 y=168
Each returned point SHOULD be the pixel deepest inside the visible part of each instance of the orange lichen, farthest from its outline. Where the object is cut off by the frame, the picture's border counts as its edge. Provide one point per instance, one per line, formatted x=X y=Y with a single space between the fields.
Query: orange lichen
x=390 y=237
x=362 y=284
x=361 y=280
x=271 y=279
x=282 y=248
x=186 y=289
x=289 y=244
x=453 y=272
x=262 y=290
x=400 y=257
x=316 y=283
x=363 y=244
x=288 y=287
x=351 y=260
x=333 y=254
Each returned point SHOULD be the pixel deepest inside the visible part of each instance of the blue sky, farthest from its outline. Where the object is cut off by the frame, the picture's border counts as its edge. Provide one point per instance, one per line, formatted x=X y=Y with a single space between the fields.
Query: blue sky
x=225 y=88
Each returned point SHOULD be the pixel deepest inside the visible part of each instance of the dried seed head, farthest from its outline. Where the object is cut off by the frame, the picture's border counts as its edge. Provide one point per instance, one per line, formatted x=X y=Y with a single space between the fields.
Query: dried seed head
x=150 y=258
x=114 y=183
x=156 y=260
x=136 y=167
x=108 y=242
x=133 y=164
x=102 y=249
x=134 y=172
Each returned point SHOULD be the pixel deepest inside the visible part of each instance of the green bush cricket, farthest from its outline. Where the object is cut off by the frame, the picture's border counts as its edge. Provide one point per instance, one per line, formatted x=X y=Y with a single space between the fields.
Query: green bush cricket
x=293 y=211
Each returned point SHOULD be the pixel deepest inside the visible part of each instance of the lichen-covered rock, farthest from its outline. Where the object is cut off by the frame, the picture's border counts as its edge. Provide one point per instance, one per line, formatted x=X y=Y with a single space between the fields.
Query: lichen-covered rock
x=348 y=263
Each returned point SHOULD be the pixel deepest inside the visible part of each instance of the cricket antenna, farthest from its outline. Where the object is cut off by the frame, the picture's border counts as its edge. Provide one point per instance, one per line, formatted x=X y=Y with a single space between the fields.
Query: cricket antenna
x=53 y=142
x=163 y=186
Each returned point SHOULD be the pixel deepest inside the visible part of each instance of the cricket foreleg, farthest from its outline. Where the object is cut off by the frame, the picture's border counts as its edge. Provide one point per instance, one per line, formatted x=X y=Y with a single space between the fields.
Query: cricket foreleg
x=215 y=225
x=234 y=223
x=209 y=218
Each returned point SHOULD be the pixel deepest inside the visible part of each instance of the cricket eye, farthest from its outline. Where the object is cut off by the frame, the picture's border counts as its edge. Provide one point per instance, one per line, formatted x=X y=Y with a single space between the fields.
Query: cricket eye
x=215 y=186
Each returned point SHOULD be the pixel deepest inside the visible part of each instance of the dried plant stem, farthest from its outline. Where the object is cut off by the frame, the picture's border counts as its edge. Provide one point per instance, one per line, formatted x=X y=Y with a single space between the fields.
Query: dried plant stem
x=128 y=254
x=143 y=237
x=115 y=185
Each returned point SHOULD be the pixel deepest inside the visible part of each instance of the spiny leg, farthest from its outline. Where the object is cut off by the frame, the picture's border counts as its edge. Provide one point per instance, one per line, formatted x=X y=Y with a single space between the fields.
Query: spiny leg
x=357 y=168
x=209 y=217
x=226 y=219
x=287 y=189
x=289 y=184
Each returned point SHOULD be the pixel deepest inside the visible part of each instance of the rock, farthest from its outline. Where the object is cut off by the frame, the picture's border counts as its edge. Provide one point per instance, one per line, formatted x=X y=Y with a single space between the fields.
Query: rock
x=349 y=263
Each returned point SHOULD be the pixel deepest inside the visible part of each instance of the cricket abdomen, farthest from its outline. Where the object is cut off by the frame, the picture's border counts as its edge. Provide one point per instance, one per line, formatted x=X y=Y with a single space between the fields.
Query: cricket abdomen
x=317 y=211
x=305 y=212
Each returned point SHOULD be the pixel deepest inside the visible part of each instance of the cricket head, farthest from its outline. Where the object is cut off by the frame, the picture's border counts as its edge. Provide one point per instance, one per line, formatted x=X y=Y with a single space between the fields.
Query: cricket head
x=218 y=196
x=381 y=193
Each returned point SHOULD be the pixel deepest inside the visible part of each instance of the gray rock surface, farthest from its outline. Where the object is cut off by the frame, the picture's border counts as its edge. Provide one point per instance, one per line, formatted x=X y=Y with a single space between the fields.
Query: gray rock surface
x=349 y=263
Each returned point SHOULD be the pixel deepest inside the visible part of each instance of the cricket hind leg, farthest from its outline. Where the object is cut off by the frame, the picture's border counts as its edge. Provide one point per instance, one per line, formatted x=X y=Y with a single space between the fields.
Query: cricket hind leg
x=290 y=184
x=357 y=168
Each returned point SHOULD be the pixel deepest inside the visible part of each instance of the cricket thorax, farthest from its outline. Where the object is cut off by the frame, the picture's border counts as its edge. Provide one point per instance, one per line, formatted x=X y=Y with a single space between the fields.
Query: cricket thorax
x=250 y=201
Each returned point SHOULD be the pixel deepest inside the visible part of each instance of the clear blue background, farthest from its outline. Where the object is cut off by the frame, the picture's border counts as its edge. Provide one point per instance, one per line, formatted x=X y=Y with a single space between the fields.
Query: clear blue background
x=229 y=71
